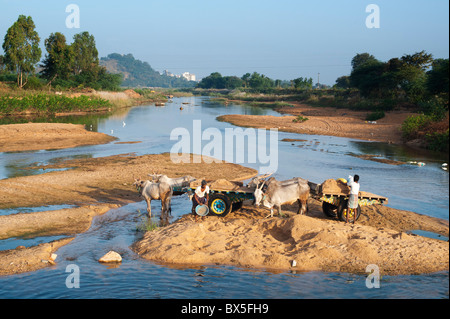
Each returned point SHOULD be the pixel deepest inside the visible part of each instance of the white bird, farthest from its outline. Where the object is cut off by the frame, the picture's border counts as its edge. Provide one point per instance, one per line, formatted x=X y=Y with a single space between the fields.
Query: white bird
x=112 y=131
x=123 y=124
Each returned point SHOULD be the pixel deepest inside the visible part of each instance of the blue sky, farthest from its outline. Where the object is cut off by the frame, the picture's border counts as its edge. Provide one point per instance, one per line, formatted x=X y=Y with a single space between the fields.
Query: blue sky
x=283 y=39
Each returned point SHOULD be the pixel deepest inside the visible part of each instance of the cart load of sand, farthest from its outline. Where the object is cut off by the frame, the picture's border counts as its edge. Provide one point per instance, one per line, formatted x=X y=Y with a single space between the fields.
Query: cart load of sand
x=219 y=184
x=331 y=186
x=299 y=243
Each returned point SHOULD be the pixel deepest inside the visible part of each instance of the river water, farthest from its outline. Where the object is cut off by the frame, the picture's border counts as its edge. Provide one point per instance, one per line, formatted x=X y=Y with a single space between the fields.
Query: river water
x=422 y=189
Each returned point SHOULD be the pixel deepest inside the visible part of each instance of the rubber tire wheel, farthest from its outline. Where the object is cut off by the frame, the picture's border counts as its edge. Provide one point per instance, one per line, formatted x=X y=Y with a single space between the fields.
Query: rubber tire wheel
x=219 y=201
x=329 y=209
x=343 y=210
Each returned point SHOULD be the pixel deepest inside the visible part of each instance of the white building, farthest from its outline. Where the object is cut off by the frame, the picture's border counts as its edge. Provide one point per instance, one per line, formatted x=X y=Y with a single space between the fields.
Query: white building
x=188 y=76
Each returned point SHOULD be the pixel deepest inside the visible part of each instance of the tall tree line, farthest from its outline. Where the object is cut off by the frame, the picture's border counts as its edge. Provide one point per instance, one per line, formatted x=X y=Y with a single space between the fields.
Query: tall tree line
x=64 y=64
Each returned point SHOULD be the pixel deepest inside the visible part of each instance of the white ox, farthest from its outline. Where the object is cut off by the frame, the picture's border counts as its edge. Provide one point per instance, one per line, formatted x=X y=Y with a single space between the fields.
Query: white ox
x=155 y=191
x=179 y=181
x=281 y=193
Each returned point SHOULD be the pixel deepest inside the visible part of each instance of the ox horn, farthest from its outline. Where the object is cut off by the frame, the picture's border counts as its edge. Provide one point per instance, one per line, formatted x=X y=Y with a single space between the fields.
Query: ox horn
x=262 y=185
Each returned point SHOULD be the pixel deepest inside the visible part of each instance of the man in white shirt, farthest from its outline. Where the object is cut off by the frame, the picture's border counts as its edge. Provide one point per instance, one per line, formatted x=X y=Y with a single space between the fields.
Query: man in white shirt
x=201 y=197
x=353 y=183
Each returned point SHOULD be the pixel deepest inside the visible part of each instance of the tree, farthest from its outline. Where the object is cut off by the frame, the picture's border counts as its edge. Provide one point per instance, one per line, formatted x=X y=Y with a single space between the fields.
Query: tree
x=232 y=82
x=59 y=58
x=438 y=77
x=21 y=47
x=343 y=82
x=361 y=59
x=420 y=60
x=368 y=78
x=212 y=81
x=85 y=54
x=260 y=81
x=301 y=83
x=2 y=63
x=246 y=78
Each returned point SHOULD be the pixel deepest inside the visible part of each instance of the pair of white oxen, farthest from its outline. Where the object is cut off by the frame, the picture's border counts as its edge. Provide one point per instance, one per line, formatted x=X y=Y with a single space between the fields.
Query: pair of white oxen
x=269 y=192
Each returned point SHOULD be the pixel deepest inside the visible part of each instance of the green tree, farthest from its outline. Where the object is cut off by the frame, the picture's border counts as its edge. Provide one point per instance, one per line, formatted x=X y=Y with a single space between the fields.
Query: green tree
x=85 y=54
x=420 y=60
x=212 y=81
x=303 y=83
x=368 y=78
x=246 y=78
x=260 y=81
x=361 y=59
x=232 y=82
x=343 y=82
x=59 y=58
x=21 y=47
x=438 y=77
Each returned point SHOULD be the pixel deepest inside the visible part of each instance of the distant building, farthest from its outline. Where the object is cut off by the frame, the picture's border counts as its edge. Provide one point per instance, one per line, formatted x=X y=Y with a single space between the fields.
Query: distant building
x=188 y=76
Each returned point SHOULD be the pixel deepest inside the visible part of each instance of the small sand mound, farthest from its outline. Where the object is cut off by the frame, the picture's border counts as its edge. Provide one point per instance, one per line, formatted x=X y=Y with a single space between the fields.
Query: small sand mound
x=314 y=244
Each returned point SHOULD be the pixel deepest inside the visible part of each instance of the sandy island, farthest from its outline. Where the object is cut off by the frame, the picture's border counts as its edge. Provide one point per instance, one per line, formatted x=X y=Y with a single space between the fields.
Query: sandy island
x=41 y=136
x=327 y=121
x=244 y=238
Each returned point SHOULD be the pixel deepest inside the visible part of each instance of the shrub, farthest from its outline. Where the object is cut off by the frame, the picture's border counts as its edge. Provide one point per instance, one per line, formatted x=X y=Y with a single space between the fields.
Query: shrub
x=438 y=141
x=413 y=124
x=374 y=116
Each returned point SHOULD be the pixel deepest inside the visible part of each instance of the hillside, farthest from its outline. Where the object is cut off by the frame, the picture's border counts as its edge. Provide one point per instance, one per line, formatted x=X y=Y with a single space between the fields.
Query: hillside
x=140 y=74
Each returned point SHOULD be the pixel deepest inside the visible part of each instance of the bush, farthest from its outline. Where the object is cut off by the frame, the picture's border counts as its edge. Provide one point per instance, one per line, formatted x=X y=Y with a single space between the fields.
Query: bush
x=413 y=124
x=48 y=103
x=438 y=141
x=374 y=116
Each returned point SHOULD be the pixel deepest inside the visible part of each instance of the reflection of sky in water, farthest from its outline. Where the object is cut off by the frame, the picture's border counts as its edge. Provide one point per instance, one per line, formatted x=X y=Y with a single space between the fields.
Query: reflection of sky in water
x=421 y=189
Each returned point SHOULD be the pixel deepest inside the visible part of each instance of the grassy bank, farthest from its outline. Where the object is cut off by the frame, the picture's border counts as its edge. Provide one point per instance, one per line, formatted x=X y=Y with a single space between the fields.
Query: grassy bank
x=38 y=102
x=50 y=103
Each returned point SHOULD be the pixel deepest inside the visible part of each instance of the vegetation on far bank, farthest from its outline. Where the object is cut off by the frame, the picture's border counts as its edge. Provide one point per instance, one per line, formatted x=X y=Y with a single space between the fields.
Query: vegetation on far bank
x=417 y=83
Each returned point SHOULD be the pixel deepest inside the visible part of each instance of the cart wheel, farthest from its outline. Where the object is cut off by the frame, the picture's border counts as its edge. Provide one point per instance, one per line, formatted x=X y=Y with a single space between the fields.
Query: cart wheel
x=329 y=210
x=342 y=212
x=219 y=205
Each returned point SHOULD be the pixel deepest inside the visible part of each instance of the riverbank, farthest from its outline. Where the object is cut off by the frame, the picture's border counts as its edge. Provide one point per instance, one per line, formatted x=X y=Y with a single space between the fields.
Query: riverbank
x=41 y=136
x=327 y=121
x=20 y=103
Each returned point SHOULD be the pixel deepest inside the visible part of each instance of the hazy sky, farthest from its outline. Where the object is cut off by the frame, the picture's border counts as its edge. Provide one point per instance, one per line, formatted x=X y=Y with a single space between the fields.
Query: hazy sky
x=283 y=39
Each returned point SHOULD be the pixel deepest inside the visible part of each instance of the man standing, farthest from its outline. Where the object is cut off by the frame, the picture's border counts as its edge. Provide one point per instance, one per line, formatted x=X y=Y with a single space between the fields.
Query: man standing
x=353 y=183
x=201 y=197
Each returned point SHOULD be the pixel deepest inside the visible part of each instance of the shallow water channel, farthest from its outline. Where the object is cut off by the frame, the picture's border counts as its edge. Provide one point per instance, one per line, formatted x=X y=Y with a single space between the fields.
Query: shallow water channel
x=423 y=190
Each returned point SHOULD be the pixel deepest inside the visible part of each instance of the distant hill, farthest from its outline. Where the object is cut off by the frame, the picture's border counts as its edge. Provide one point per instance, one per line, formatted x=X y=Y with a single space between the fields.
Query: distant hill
x=140 y=74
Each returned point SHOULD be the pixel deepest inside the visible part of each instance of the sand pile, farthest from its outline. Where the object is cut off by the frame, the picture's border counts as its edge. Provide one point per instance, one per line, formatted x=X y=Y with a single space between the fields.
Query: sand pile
x=331 y=186
x=322 y=245
x=223 y=184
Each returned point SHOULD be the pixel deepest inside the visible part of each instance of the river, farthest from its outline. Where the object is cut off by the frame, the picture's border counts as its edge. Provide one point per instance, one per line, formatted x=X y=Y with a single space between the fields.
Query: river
x=422 y=189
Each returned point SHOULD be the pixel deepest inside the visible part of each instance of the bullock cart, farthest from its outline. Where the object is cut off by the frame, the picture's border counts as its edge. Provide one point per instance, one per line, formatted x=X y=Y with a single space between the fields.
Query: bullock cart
x=334 y=200
x=224 y=196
